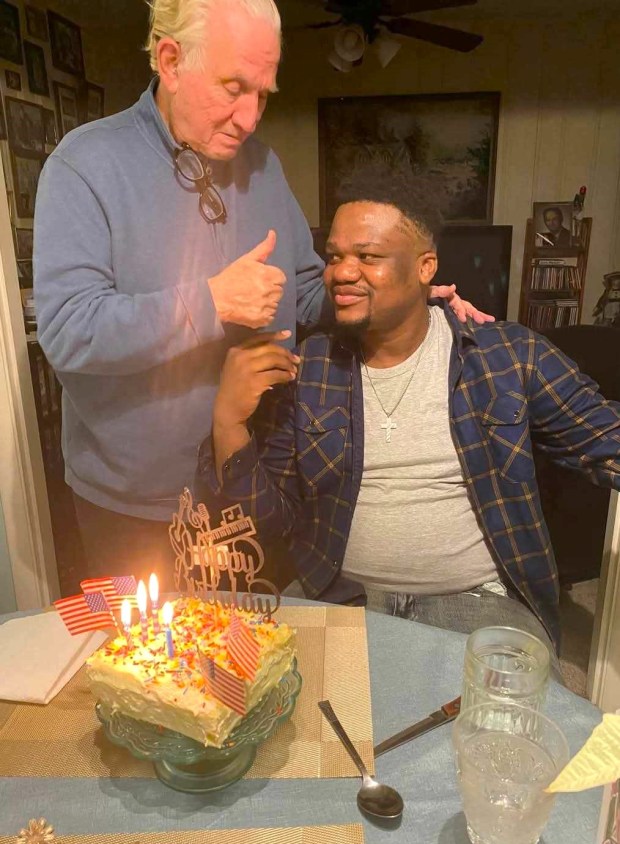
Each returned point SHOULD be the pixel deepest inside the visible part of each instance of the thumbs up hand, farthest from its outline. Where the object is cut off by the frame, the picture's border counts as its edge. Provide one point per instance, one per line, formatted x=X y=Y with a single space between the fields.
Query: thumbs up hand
x=248 y=291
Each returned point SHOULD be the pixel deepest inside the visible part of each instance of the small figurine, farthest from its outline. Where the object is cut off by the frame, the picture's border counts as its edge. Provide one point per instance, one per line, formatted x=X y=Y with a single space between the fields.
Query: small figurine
x=607 y=309
x=578 y=203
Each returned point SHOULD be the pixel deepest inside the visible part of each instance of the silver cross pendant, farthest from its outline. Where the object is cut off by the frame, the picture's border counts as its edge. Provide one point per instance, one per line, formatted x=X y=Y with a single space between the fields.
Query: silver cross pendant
x=388 y=425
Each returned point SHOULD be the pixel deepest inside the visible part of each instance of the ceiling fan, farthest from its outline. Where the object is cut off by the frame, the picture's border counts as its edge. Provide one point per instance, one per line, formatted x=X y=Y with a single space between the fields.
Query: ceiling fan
x=362 y=22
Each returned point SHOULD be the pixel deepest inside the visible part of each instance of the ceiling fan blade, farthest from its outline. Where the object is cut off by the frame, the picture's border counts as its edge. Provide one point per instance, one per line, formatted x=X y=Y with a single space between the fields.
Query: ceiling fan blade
x=443 y=36
x=321 y=25
x=410 y=7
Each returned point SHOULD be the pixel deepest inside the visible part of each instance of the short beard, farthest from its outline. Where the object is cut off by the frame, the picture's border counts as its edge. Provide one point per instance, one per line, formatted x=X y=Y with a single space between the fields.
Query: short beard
x=353 y=330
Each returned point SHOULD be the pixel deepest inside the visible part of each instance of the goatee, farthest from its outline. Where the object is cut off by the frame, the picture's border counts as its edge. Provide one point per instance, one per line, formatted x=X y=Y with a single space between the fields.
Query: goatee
x=352 y=330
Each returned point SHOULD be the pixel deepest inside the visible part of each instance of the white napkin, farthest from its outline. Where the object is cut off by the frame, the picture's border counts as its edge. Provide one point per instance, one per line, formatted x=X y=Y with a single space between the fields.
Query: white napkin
x=38 y=656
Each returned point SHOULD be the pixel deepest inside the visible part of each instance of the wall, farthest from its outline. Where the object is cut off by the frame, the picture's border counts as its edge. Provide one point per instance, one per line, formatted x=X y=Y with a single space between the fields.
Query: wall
x=559 y=124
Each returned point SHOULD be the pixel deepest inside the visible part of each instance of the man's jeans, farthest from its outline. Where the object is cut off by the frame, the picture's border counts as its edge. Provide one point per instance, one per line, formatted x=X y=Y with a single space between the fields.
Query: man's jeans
x=462 y=612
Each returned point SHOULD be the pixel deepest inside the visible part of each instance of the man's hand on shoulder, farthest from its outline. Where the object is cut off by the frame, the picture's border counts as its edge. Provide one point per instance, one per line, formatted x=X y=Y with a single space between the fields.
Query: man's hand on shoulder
x=248 y=291
x=461 y=307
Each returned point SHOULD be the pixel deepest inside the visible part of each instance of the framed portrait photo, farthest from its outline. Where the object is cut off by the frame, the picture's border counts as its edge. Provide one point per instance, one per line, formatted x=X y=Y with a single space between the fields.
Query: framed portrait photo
x=26 y=172
x=23 y=244
x=36 y=69
x=25 y=127
x=448 y=140
x=67 y=108
x=553 y=223
x=10 y=34
x=36 y=23
x=66 y=44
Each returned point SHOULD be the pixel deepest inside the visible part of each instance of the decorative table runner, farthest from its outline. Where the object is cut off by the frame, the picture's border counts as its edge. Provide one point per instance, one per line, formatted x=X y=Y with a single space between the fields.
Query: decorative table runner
x=65 y=739
x=352 y=833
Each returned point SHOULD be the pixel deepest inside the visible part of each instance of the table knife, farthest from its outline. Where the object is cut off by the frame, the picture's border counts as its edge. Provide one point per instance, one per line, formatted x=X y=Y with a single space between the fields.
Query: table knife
x=448 y=712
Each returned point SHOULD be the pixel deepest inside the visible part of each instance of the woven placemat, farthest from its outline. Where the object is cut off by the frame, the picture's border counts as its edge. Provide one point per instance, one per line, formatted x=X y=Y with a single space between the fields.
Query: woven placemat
x=352 y=833
x=64 y=738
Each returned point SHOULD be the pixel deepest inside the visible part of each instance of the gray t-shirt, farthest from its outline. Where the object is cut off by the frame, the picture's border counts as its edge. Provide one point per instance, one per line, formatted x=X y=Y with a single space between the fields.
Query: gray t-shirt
x=414 y=529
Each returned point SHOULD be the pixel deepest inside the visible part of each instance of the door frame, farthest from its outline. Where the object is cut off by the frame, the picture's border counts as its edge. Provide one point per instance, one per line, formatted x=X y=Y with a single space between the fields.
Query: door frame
x=23 y=490
x=603 y=684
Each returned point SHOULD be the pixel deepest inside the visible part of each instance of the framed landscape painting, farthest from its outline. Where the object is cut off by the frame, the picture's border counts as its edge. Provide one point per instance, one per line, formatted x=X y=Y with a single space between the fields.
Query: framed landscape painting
x=448 y=141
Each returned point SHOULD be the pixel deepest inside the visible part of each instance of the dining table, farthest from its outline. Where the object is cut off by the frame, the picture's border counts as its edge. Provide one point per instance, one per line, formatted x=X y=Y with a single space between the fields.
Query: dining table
x=414 y=669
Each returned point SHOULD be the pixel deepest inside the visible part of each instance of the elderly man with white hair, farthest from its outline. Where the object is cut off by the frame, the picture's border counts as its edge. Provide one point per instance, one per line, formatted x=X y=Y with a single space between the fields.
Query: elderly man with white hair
x=164 y=235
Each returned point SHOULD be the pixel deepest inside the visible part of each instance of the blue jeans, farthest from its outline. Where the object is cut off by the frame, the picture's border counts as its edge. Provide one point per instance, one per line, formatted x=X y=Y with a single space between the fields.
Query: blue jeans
x=462 y=612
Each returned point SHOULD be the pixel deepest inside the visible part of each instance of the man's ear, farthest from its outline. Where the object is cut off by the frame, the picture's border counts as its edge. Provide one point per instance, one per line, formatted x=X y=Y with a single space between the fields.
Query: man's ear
x=427 y=267
x=168 y=60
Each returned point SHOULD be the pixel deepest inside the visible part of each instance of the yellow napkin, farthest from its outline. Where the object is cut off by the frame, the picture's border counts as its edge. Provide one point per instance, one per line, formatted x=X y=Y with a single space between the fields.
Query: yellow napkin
x=598 y=761
x=38 y=656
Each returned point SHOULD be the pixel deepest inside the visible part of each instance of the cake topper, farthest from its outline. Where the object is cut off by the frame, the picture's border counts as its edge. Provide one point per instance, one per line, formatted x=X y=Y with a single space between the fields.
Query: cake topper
x=220 y=564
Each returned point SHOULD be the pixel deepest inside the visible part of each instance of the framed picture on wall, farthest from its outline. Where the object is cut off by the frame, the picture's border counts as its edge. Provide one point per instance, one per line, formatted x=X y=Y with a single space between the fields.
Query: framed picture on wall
x=448 y=140
x=10 y=34
x=25 y=127
x=36 y=23
x=66 y=108
x=23 y=243
x=2 y=122
x=24 y=274
x=26 y=172
x=13 y=80
x=93 y=102
x=36 y=70
x=66 y=43
x=49 y=126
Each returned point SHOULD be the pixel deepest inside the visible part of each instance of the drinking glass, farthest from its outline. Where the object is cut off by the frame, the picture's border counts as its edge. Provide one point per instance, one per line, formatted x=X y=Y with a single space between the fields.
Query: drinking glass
x=506 y=755
x=505 y=664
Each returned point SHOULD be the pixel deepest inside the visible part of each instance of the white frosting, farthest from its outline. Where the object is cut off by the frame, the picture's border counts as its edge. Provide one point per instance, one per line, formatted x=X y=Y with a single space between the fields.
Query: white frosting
x=124 y=681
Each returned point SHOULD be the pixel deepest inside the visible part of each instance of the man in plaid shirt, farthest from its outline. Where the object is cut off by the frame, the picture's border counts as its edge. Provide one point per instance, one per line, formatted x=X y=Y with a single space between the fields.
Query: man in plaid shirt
x=395 y=454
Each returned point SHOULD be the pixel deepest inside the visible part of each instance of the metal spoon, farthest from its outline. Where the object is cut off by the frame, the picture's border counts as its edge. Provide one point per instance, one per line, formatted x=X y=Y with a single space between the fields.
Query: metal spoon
x=375 y=799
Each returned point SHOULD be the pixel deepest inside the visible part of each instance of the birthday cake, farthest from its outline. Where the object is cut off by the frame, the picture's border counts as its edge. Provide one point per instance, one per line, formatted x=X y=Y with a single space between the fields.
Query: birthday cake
x=225 y=660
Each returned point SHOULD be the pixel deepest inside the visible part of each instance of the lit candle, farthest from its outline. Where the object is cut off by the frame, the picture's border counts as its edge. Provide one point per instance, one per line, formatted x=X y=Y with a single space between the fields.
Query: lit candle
x=126 y=619
x=154 y=595
x=166 y=612
x=141 y=598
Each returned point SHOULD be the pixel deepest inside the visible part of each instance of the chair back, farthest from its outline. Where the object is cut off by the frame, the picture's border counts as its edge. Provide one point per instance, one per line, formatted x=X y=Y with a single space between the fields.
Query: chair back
x=575 y=510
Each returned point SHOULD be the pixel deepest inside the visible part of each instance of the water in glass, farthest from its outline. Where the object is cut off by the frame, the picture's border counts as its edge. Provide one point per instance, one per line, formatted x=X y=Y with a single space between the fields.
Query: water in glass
x=506 y=755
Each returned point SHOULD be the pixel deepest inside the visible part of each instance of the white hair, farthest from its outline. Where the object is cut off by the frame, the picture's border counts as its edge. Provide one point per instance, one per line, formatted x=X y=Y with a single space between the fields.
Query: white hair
x=187 y=22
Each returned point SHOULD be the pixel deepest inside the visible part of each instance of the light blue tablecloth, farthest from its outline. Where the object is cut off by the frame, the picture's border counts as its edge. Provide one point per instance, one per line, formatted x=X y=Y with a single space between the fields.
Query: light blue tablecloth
x=414 y=669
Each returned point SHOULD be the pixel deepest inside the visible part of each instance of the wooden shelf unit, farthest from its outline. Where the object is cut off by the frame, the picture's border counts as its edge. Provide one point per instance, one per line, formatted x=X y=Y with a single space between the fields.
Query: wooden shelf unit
x=542 y=304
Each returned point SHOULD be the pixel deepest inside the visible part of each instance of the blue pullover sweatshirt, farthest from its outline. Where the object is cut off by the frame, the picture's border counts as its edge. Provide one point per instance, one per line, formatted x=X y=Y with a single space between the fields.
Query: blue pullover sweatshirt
x=122 y=258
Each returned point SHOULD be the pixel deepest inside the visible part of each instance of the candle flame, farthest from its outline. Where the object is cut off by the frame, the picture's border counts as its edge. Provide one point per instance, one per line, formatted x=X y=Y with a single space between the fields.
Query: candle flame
x=126 y=612
x=166 y=612
x=154 y=588
x=141 y=597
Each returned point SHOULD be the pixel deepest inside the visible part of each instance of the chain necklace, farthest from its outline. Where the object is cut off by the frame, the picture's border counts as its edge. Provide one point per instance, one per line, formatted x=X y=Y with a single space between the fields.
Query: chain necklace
x=389 y=424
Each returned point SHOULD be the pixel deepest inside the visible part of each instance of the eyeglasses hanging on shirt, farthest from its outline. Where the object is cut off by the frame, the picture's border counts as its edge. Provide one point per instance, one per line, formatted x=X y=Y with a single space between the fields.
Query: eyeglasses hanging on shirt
x=190 y=166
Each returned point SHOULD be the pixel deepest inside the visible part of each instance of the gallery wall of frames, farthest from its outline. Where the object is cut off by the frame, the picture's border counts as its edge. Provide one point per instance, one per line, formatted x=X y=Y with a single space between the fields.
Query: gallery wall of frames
x=45 y=93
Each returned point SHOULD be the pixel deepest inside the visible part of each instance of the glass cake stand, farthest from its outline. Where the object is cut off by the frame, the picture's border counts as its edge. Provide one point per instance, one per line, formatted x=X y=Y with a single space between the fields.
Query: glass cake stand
x=186 y=765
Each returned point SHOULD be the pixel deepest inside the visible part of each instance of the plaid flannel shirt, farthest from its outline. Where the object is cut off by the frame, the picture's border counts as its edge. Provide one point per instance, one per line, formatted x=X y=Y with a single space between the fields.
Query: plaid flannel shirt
x=510 y=388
